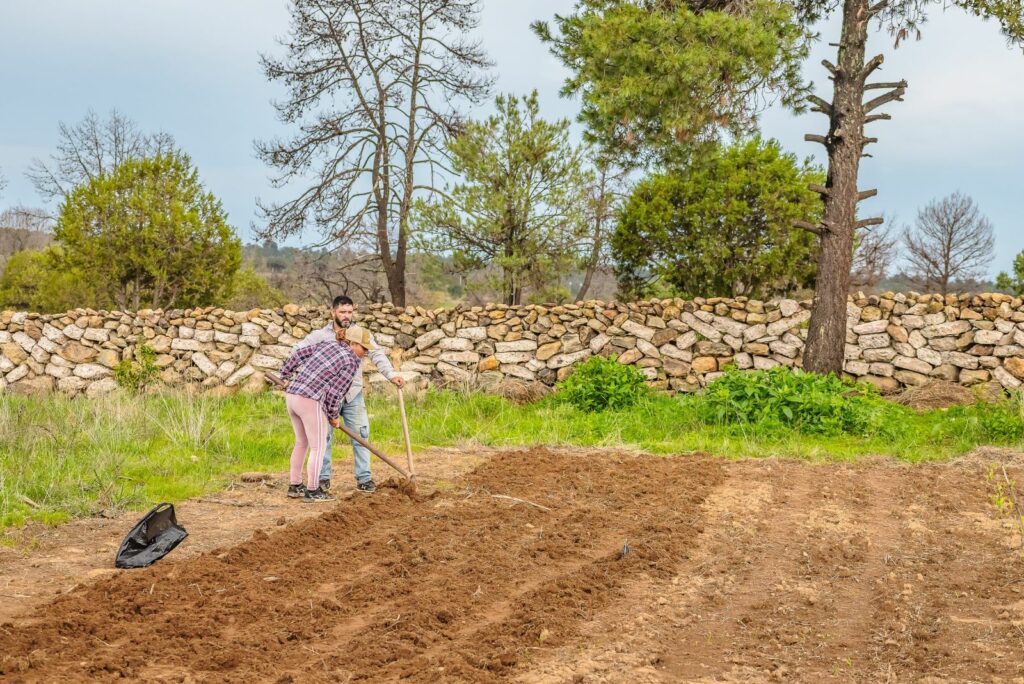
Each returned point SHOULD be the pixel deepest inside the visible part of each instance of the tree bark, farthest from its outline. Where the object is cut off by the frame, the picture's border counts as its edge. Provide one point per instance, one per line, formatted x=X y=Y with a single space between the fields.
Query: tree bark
x=595 y=251
x=513 y=289
x=396 y=279
x=591 y=267
x=826 y=335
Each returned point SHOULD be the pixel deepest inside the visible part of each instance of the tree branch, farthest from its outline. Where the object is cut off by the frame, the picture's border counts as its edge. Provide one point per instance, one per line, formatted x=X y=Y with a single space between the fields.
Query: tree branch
x=873 y=10
x=820 y=105
x=812 y=137
x=820 y=189
x=891 y=96
x=870 y=66
x=866 y=194
x=877 y=117
x=818 y=230
x=864 y=223
x=882 y=86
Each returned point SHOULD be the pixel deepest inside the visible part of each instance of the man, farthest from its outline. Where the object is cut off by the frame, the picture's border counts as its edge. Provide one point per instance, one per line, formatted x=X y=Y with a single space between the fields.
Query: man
x=353 y=409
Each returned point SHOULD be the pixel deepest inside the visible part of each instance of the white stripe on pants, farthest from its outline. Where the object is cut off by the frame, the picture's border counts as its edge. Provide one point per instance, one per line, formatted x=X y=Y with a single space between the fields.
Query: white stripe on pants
x=310 y=425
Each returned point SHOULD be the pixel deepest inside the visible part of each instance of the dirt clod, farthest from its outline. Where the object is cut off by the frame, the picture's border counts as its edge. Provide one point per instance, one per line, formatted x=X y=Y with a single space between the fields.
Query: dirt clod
x=256 y=477
x=402 y=486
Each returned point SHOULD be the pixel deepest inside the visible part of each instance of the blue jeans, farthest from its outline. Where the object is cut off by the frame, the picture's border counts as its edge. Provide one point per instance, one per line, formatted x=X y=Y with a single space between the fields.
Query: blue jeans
x=353 y=414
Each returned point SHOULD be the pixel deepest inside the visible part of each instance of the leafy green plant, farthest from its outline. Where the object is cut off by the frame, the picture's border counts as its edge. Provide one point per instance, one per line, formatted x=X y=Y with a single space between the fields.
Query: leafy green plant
x=522 y=206
x=1002 y=497
x=1013 y=282
x=780 y=398
x=139 y=374
x=600 y=384
x=148 y=234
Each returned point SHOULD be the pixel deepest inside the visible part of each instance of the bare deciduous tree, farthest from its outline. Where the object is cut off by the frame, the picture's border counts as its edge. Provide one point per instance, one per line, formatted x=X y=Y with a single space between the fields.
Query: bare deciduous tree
x=606 y=193
x=875 y=253
x=952 y=240
x=22 y=228
x=91 y=148
x=26 y=218
x=373 y=86
x=320 y=276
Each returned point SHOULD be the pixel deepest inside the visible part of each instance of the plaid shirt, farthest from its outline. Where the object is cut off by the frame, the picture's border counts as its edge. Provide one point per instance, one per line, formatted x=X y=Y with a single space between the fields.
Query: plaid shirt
x=378 y=356
x=323 y=372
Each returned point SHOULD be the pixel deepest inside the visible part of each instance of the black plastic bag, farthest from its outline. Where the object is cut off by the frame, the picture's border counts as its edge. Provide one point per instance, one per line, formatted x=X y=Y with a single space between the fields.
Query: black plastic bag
x=151 y=539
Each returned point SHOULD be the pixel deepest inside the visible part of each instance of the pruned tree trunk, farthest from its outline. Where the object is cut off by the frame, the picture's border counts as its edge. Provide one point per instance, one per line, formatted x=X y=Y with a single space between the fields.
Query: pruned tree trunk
x=396 y=276
x=845 y=142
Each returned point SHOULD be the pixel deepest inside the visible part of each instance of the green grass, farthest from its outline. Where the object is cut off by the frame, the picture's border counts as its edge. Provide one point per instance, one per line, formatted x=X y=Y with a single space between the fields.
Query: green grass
x=62 y=459
x=665 y=425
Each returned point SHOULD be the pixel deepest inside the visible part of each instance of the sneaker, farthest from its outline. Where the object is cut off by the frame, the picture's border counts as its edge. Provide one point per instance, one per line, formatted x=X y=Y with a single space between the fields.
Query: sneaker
x=368 y=487
x=317 y=496
x=296 y=491
x=325 y=485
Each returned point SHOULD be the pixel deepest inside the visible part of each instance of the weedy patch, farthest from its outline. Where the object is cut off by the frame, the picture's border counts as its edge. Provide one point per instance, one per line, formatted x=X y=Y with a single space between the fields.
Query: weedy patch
x=139 y=374
x=1005 y=497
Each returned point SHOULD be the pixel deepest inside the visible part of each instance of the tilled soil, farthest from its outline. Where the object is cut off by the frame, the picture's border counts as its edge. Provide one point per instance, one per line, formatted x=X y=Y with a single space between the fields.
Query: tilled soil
x=40 y=561
x=544 y=566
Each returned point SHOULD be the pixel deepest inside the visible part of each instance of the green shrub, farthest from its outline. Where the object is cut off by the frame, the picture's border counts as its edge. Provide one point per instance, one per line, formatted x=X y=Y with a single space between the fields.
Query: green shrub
x=39 y=281
x=250 y=290
x=601 y=384
x=791 y=399
x=139 y=374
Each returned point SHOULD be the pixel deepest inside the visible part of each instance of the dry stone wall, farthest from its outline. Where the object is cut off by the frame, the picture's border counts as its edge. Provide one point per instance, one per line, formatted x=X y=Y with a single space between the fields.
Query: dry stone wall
x=892 y=340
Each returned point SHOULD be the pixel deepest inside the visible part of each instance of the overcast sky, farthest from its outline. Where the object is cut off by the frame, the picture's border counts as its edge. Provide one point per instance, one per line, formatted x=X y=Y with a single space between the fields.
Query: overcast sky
x=190 y=67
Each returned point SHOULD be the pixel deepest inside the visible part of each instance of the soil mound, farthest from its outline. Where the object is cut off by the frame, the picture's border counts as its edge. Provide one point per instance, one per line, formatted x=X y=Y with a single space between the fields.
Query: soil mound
x=936 y=394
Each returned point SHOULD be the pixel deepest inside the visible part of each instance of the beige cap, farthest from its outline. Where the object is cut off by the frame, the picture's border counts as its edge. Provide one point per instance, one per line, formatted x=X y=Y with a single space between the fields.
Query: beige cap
x=360 y=336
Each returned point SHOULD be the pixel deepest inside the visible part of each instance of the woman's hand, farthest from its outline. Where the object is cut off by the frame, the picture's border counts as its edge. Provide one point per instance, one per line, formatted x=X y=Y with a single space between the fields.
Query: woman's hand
x=335 y=422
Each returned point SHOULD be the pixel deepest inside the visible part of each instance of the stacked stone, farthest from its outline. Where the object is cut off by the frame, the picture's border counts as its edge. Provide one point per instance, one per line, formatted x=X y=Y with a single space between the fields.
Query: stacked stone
x=897 y=340
x=678 y=345
x=893 y=340
x=71 y=353
x=77 y=352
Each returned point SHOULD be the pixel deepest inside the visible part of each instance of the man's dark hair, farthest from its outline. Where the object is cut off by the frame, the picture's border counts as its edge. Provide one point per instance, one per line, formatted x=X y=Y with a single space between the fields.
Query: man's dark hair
x=341 y=300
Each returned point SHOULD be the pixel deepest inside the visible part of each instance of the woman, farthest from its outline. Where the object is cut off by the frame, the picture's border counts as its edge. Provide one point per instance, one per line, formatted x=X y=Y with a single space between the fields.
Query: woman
x=323 y=374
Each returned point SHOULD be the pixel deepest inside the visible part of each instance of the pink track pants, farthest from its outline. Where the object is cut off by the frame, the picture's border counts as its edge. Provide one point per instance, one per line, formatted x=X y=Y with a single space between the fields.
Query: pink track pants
x=310 y=424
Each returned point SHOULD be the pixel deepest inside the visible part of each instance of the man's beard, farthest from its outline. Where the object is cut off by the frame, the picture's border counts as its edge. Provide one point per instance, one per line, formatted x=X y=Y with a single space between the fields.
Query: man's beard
x=342 y=323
